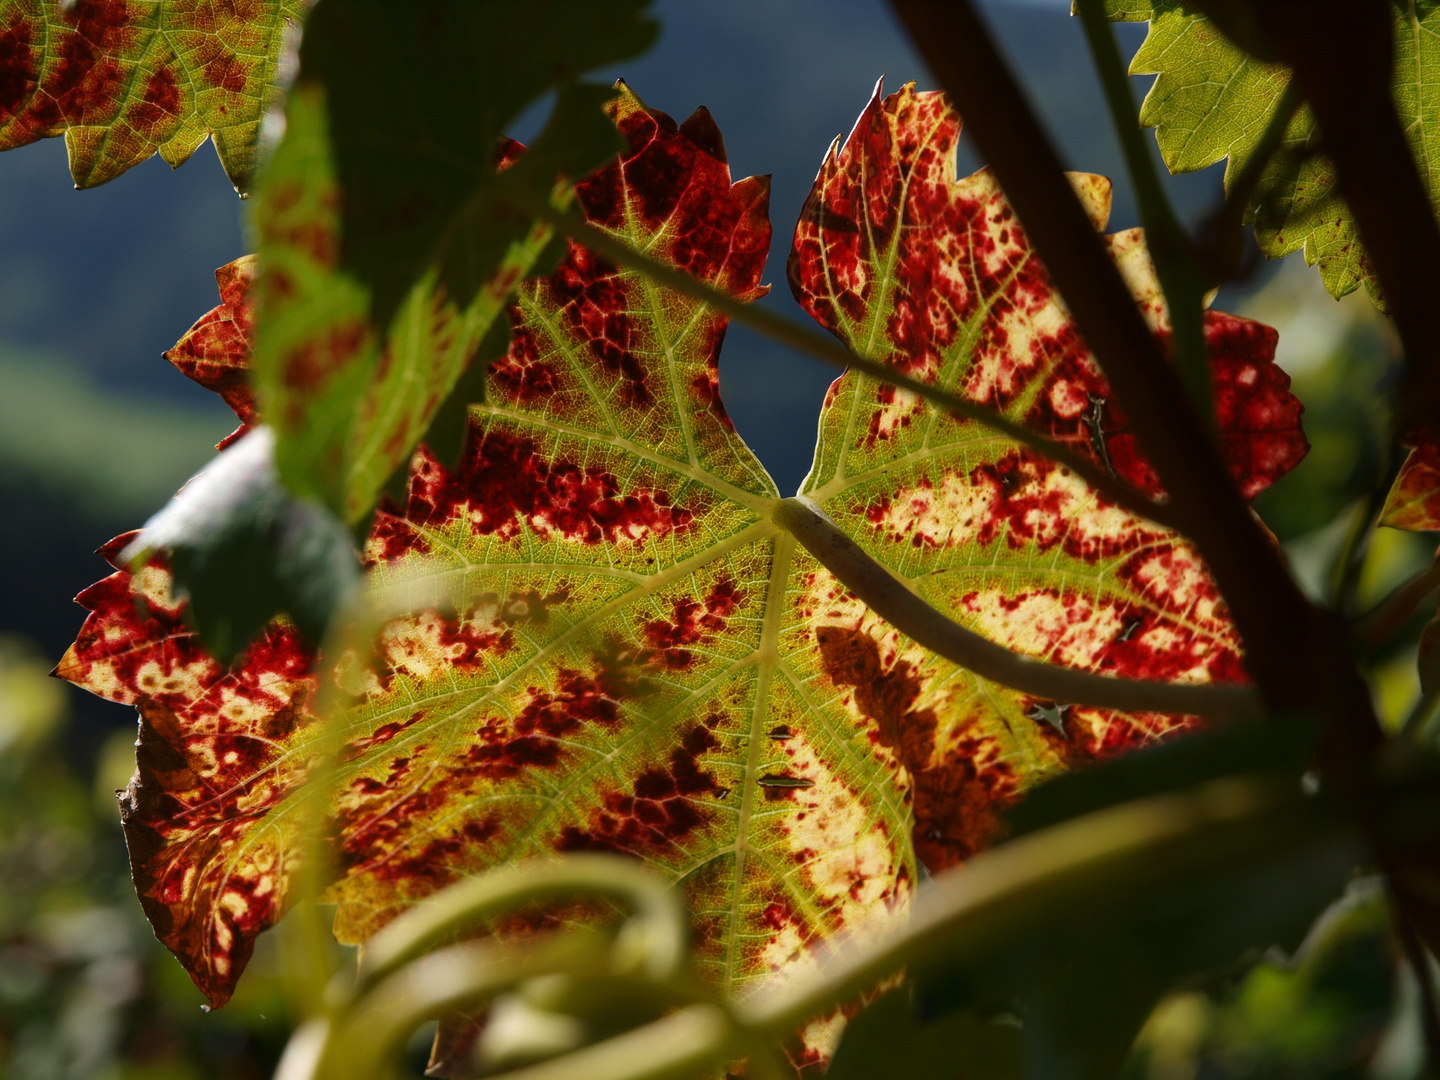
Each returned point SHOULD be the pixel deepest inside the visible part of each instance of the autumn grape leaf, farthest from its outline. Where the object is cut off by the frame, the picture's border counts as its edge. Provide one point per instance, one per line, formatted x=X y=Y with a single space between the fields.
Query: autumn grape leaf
x=936 y=278
x=125 y=79
x=387 y=230
x=1212 y=101
x=1414 y=499
x=611 y=682
x=638 y=659
x=215 y=352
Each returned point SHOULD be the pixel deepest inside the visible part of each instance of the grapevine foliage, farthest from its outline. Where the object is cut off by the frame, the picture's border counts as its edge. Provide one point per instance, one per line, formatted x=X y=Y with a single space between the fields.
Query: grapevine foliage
x=1414 y=499
x=390 y=226
x=123 y=80
x=1212 y=101
x=630 y=656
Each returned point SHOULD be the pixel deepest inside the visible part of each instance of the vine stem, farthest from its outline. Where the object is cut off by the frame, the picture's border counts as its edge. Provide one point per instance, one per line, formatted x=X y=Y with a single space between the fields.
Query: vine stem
x=1170 y=246
x=999 y=892
x=833 y=352
x=892 y=600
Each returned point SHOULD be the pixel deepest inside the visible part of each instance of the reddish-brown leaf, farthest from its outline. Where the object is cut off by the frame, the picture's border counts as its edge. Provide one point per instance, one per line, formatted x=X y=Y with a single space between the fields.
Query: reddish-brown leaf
x=934 y=276
x=1414 y=499
x=125 y=79
x=215 y=352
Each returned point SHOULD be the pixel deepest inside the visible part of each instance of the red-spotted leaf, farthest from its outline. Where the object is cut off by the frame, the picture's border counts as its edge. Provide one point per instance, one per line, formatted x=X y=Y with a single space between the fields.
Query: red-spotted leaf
x=125 y=79
x=1414 y=499
x=393 y=235
x=618 y=678
x=935 y=276
x=641 y=662
x=215 y=352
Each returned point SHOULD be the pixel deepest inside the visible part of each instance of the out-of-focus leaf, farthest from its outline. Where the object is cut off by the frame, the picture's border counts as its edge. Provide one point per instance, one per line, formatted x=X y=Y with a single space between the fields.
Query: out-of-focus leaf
x=889 y=1039
x=244 y=550
x=937 y=278
x=125 y=79
x=1414 y=500
x=1279 y=744
x=1322 y=1012
x=387 y=221
x=1212 y=101
x=1084 y=981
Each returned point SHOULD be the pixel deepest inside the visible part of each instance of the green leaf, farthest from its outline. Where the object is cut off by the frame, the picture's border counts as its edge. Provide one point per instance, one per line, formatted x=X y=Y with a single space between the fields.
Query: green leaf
x=387 y=224
x=1212 y=101
x=123 y=80
x=244 y=551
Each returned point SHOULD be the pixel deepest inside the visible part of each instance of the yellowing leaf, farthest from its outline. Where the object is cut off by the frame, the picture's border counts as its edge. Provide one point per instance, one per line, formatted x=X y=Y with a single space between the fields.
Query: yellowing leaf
x=612 y=680
x=936 y=277
x=634 y=657
x=125 y=79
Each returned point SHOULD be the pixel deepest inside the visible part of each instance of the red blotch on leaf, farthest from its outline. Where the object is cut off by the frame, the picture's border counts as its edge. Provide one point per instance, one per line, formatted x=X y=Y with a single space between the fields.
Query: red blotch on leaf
x=504 y=482
x=215 y=352
x=662 y=809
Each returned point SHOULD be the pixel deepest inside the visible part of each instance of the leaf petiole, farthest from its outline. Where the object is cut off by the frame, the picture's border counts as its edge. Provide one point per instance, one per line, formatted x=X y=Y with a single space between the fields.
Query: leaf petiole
x=914 y=617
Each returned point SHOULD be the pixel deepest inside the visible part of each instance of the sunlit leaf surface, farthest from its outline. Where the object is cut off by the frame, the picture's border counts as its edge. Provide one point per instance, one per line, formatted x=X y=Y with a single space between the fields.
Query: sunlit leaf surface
x=1414 y=499
x=937 y=278
x=388 y=223
x=1211 y=101
x=641 y=662
x=125 y=79
x=612 y=683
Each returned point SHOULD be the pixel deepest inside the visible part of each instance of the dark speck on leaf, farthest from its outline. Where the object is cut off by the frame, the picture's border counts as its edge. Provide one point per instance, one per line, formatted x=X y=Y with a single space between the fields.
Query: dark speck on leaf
x=1051 y=714
x=780 y=780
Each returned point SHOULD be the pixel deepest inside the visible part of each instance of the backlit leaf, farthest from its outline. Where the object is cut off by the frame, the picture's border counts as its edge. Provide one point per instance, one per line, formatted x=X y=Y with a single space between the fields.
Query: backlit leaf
x=613 y=681
x=936 y=277
x=125 y=79
x=215 y=352
x=638 y=661
x=387 y=222
x=1211 y=101
x=1414 y=499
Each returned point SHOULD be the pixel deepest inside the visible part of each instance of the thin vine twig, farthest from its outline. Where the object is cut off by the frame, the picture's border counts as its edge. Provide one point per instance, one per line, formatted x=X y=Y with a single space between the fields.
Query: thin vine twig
x=912 y=616
x=832 y=351
x=1170 y=246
